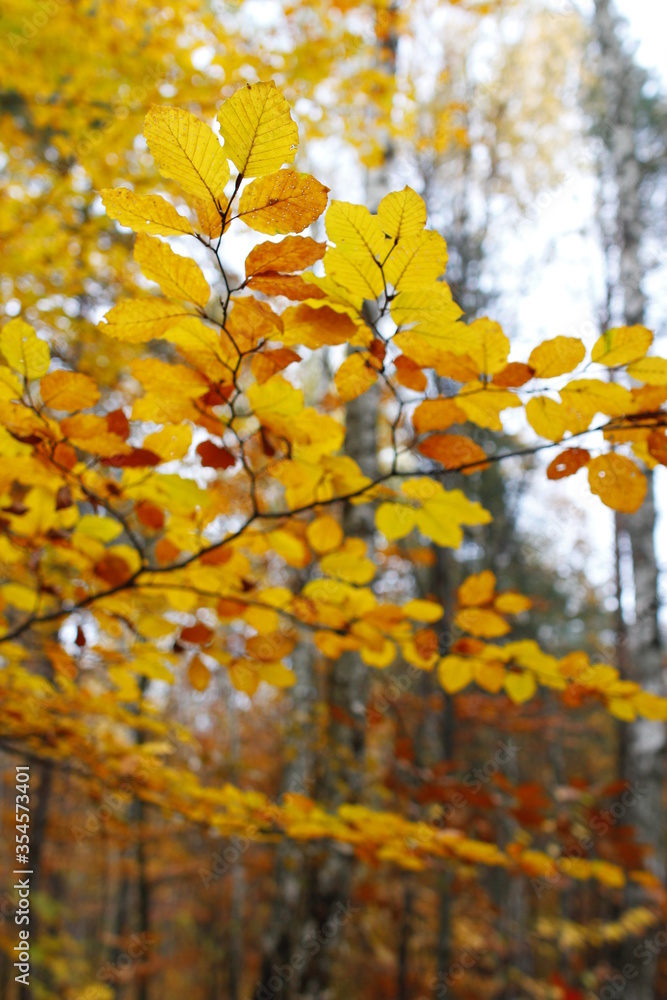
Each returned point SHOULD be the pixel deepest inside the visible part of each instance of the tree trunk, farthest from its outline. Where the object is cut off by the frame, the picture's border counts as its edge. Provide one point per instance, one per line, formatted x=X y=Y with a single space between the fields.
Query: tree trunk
x=643 y=749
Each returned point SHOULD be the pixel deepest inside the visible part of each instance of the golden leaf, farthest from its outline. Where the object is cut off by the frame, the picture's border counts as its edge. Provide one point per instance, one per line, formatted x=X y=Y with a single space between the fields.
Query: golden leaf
x=136 y=321
x=188 y=151
x=402 y=214
x=557 y=356
x=481 y=622
x=284 y=202
x=144 y=213
x=259 y=132
x=618 y=482
x=355 y=376
x=622 y=345
x=68 y=391
x=24 y=352
x=178 y=277
x=477 y=589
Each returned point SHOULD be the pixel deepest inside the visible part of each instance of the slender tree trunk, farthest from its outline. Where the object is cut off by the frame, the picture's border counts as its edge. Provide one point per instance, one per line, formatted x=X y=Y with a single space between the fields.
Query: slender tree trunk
x=643 y=750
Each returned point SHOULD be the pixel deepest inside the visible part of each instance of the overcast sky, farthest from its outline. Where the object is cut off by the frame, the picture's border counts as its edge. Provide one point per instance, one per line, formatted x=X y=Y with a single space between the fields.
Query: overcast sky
x=648 y=21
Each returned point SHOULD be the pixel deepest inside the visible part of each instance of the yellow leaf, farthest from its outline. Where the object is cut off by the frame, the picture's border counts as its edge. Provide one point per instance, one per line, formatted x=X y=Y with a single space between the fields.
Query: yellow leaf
x=259 y=132
x=128 y=689
x=557 y=356
x=402 y=214
x=547 y=417
x=151 y=665
x=162 y=377
x=585 y=397
x=379 y=658
x=442 y=512
x=481 y=622
x=511 y=603
x=324 y=534
x=653 y=371
x=354 y=376
x=178 y=277
x=68 y=391
x=274 y=398
x=433 y=314
x=618 y=482
x=622 y=708
x=477 y=589
x=24 y=352
x=199 y=675
x=244 y=676
x=263 y=620
x=520 y=686
x=90 y=433
x=188 y=151
x=349 y=563
x=483 y=406
x=19 y=596
x=355 y=231
x=454 y=673
x=487 y=345
x=360 y=274
x=489 y=675
x=395 y=520
x=423 y=611
x=608 y=874
x=416 y=262
x=281 y=203
x=622 y=345
x=136 y=321
x=277 y=675
x=290 y=547
x=172 y=442
x=144 y=213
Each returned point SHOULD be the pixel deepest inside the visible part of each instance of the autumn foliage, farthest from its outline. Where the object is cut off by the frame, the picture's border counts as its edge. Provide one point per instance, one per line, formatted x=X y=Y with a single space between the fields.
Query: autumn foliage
x=185 y=520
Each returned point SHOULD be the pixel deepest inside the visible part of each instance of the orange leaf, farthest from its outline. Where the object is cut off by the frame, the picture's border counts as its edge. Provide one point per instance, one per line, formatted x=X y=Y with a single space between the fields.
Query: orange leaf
x=455 y=451
x=477 y=589
x=198 y=674
x=294 y=253
x=409 y=374
x=618 y=482
x=657 y=445
x=150 y=515
x=437 y=415
x=354 y=376
x=568 y=462
x=513 y=375
x=292 y=286
x=269 y=363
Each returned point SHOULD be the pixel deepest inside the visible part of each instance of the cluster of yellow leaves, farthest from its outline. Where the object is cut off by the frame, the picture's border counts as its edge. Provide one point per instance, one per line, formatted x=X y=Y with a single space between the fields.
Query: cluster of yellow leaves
x=80 y=710
x=569 y=934
x=520 y=668
x=227 y=410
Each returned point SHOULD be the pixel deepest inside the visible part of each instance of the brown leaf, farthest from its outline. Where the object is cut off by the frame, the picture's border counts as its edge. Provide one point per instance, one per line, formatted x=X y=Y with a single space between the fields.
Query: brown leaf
x=112 y=569
x=137 y=459
x=213 y=457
